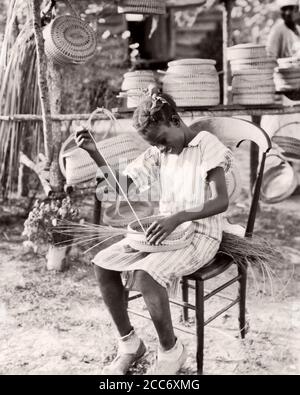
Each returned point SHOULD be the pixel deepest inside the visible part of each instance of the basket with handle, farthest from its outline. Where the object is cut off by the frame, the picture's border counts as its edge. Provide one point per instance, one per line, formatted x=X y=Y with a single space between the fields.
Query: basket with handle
x=78 y=167
x=69 y=40
x=151 y=7
x=279 y=182
x=180 y=238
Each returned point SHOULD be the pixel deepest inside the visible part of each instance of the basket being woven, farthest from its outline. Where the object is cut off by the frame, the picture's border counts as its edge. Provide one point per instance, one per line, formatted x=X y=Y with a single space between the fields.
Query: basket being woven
x=180 y=238
x=152 y=7
x=68 y=39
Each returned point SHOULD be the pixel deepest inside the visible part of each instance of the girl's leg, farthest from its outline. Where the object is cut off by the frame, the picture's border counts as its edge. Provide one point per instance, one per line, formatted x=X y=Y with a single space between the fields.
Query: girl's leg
x=157 y=301
x=113 y=294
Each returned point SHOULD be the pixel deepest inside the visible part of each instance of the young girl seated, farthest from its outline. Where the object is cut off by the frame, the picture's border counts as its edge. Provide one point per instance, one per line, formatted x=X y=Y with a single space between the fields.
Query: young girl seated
x=190 y=168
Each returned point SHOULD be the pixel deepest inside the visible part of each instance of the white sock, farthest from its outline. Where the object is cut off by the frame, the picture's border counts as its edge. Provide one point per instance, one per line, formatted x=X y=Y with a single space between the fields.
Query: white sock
x=129 y=344
x=173 y=354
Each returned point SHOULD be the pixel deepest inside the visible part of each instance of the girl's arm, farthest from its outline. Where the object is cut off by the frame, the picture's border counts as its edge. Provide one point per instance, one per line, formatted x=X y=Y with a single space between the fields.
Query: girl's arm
x=219 y=202
x=84 y=141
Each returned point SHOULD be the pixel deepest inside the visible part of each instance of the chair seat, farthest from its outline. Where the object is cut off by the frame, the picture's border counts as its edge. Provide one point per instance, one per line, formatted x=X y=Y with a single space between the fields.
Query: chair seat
x=216 y=266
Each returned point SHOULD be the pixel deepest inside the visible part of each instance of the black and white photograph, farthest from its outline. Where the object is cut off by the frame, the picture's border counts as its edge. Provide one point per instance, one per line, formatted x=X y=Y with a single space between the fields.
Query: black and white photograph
x=149 y=190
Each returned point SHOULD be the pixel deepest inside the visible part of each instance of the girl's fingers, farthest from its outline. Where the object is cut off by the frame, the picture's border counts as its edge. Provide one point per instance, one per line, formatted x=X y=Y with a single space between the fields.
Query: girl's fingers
x=162 y=238
x=155 y=237
x=153 y=227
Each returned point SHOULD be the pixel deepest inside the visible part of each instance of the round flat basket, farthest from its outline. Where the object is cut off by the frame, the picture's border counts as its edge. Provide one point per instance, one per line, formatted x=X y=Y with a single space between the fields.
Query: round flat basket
x=120 y=214
x=246 y=51
x=279 y=183
x=197 y=102
x=151 y=7
x=180 y=238
x=184 y=62
x=68 y=39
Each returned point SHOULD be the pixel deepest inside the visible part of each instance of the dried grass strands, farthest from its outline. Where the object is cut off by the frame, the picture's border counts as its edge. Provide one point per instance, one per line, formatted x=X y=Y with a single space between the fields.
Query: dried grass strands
x=18 y=94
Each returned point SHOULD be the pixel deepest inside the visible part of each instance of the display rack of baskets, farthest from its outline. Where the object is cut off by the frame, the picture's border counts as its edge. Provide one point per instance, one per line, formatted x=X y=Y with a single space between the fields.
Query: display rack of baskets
x=192 y=82
x=252 y=74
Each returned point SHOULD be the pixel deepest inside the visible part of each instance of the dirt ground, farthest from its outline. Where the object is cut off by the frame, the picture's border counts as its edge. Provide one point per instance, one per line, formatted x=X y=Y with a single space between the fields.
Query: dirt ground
x=56 y=323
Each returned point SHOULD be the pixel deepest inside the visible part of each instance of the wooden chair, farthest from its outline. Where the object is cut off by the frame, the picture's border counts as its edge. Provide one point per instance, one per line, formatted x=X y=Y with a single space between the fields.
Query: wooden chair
x=232 y=132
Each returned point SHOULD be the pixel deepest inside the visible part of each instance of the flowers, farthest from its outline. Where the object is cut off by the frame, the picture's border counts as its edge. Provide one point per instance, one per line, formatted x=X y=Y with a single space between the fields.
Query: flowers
x=44 y=217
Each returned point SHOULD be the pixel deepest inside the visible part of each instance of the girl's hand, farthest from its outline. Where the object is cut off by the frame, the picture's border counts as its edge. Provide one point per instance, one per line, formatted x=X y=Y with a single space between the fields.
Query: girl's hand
x=84 y=140
x=161 y=229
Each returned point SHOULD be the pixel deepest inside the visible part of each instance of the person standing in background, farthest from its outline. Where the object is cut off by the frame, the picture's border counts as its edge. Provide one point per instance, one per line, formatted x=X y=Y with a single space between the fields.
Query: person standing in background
x=284 y=38
x=284 y=42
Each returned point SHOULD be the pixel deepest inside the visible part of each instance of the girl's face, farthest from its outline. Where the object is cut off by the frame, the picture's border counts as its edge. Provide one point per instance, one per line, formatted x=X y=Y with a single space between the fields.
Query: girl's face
x=169 y=138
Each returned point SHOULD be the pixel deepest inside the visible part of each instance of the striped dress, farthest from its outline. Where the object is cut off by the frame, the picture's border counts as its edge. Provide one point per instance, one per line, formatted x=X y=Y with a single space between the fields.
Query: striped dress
x=183 y=185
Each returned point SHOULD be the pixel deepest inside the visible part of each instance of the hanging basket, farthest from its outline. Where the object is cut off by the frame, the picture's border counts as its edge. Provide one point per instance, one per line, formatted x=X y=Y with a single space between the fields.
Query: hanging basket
x=180 y=238
x=151 y=7
x=120 y=215
x=69 y=40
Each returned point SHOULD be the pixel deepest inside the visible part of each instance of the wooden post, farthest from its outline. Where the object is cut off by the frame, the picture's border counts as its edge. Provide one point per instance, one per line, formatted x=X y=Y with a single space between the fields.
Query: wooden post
x=227 y=42
x=42 y=79
x=54 y=78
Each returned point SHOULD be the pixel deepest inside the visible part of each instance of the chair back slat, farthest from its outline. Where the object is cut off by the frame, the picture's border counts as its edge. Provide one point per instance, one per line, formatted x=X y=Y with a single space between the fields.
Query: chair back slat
x=233 y=131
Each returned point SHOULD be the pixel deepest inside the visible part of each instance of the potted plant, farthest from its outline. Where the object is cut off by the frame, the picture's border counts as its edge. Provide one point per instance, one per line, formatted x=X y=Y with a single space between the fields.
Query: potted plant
x=39 y=228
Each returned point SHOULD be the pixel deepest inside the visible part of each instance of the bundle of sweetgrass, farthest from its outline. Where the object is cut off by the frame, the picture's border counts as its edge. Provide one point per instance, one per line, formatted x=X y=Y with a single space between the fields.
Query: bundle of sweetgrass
x=243 y=250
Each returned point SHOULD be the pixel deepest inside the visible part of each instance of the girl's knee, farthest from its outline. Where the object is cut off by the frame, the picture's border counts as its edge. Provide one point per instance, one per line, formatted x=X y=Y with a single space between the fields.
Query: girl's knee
x=105 y=276
x=143 y=281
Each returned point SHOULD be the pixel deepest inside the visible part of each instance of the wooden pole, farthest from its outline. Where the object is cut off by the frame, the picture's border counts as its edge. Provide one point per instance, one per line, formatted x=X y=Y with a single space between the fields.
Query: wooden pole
x=42 y=80
x=227 y=42
x=54 y=78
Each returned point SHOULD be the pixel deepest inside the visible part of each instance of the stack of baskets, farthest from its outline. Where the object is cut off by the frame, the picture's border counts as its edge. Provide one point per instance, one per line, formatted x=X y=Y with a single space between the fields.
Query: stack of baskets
x=150 y=7
x=135 y=84
x=193 y=82
x=287 y=75
x=252 y=71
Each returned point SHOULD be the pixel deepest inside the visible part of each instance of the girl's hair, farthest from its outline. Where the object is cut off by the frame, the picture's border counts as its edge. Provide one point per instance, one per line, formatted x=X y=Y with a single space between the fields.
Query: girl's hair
x=155 y=109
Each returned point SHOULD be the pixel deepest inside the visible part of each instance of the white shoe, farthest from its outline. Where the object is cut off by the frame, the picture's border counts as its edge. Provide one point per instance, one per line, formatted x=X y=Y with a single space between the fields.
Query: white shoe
x=170 y=362
x=123 y=361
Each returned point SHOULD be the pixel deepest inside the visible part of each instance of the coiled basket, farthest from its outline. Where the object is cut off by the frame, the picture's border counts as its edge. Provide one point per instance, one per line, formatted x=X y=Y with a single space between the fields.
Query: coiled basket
x=180 y=238
x=69 y=40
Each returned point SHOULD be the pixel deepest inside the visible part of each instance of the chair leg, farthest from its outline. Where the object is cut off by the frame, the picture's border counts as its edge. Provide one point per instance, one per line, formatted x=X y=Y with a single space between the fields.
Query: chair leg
x=242 y=303
x=199 y=299
x=185 y=299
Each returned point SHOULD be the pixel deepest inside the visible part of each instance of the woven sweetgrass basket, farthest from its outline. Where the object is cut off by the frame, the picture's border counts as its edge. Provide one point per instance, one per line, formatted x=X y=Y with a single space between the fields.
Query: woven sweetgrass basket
x=151 y=7
x=279 y=183
x=250 y=64
x=78 y=167
x=69 y=40
x=253 y=99
x=180 y=238
x=246 y=51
